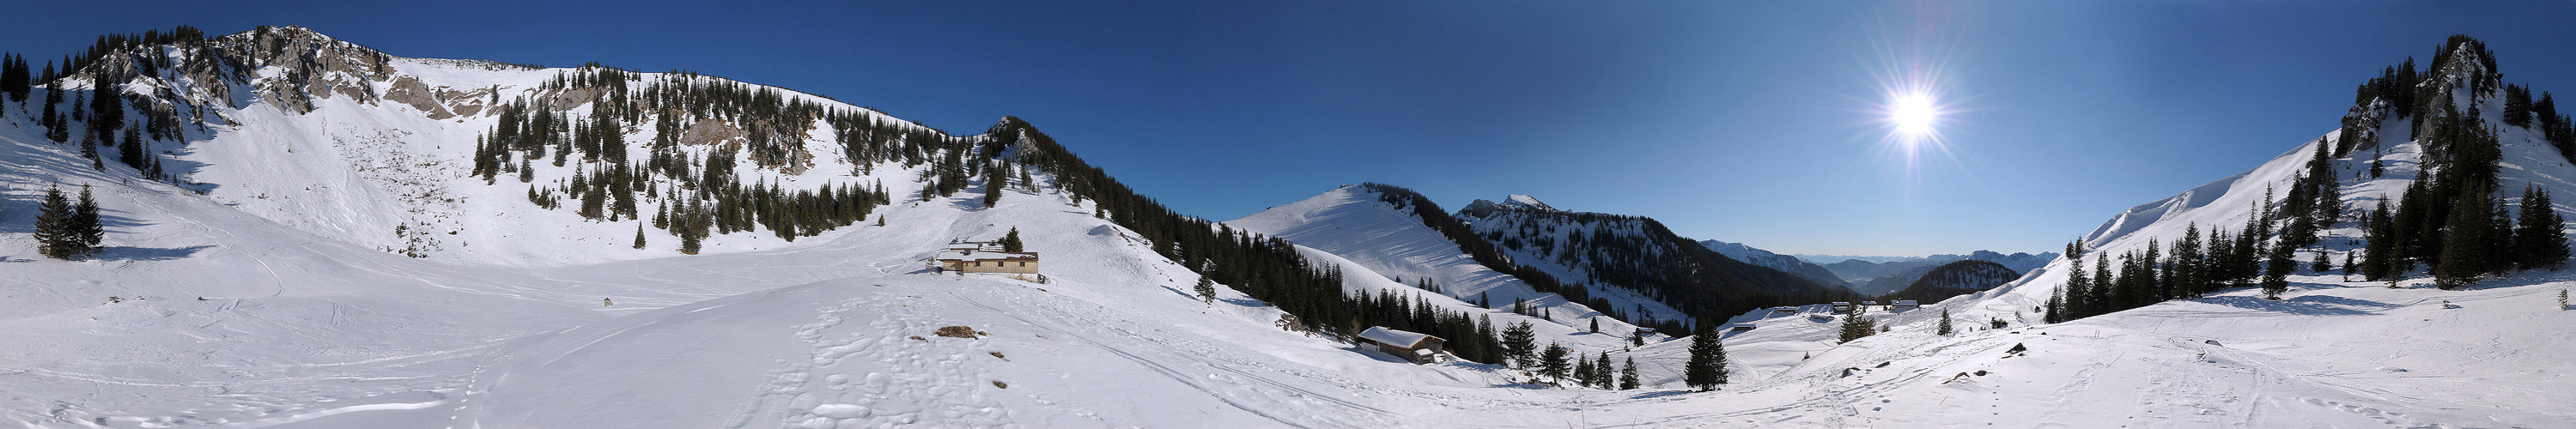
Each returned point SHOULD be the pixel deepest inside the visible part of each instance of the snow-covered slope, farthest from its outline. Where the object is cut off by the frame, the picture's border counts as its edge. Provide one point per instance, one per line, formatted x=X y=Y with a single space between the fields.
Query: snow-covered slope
x=342 y=141
x=1785 y=263
x=214 y=307
x=1355 y=224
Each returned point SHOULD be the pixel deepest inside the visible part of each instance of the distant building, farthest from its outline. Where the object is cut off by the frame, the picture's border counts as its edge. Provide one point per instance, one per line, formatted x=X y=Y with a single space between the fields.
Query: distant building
x=1842 y=307
x=983 y=257
x=1741 y=328
x=986 y=261
x=1412 y=346
x=1904 y=304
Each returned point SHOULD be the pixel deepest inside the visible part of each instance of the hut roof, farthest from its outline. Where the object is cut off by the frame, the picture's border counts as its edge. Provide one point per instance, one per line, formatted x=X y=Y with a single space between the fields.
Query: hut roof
x=1391 y=337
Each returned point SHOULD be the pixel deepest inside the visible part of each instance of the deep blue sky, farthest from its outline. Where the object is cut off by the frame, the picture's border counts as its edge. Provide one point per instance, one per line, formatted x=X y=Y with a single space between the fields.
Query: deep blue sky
x=1738 y=122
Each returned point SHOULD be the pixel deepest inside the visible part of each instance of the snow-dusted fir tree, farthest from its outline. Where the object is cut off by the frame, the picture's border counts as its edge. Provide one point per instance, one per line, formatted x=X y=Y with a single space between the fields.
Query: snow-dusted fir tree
x=1552 y=363
x=1206 y=290
x=1855 y=326
x=54 y=226
x=1628 y=372
x=1944 y=329
x=1520 y=344
x=1707 y=366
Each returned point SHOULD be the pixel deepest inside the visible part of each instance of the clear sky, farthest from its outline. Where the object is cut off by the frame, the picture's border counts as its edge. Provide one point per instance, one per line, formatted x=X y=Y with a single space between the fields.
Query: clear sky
x=1747 y=122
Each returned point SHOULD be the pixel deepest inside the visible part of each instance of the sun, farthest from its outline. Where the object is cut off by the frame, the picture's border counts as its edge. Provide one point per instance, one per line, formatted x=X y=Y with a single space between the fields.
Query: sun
x=1915 y=114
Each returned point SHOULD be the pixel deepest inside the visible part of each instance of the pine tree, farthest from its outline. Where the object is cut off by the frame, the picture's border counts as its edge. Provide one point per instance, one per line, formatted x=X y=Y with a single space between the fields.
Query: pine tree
x=1583 y=371
x=2540 y=234
x=1601 y=371
x=2321 y=264
x=1944 y=329
x=1520 y=344
x=994 y=184
x=639 y=235
x=2381 y=245
x=2184 y=276
x=2276 y=272
x=2465 y=236
x=1553 y=363
x=1628 y=372
x=86 y=229
x=2348 y=267
x=1855 y=327
x=54 y=235
x=1596 y=325
x=1011 y=241
x=130 y=151
x=1206 y=290
x=1707 y=366
x=89 y=149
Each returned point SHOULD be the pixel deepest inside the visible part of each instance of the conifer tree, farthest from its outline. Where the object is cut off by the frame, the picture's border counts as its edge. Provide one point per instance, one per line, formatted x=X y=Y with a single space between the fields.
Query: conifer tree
x=1520 y=344
x=639 y=235
x=2348 y=267
x=1855 y=326
x=2465 y=237
x=107 y=109
x=2184 y=275
x=1552 y=363
x=54 y=235
x=1707 y=366
x=2541 y=234
x=1011 y=241
x=89 y=149
x=1583 y=371
x=1628 y=372
x=1206 y=290
x=130 y=151
x=1601 y=371
x=86 y=228
x=2276 y=272
x=995 y=182
x=2380 y=245
x=1596 y=325
x=1944 y=329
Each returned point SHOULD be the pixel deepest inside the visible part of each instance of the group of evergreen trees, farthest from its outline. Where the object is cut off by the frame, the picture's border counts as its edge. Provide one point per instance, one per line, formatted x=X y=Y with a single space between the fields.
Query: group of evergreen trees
x=2452 y=219
x=66 y=229
x=1596 y=372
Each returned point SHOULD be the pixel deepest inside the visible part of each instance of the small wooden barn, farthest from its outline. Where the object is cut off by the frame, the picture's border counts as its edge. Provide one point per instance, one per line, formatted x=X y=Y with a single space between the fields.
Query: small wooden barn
x=1412 y=346
x=963 y=261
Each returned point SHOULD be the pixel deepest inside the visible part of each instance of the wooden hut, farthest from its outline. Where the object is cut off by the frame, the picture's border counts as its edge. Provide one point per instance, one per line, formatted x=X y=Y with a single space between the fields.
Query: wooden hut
x=1412 y=346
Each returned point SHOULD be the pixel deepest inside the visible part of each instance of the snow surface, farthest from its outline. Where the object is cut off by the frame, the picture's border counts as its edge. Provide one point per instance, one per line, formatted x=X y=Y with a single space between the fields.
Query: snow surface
x=230 y=310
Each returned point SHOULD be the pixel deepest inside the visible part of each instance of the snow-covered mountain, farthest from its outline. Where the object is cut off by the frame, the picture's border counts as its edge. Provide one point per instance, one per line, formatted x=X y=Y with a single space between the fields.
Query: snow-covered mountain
x=1636 y=254
x=339 y=238
x=1397 y=235
x=1785 y=263
x=1881 y=278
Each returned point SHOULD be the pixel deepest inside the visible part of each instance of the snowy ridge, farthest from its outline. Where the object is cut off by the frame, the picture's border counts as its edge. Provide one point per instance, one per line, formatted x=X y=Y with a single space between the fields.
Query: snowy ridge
x=1352 y=224
x=380 y=147
x=1785 y=263
x=1638 y=258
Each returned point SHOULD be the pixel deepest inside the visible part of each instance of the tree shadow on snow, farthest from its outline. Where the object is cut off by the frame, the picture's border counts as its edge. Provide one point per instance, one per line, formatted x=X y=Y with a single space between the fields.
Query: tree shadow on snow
x=1659 y=394
x=2313 y=305
x=131 y=253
